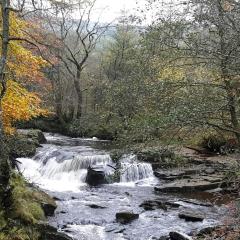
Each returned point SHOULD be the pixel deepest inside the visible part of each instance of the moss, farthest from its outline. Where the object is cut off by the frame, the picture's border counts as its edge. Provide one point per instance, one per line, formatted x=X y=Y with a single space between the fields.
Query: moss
x=21 y=222
x=36 y=135
x=28 y=212
x=20 y=233
x=3 y=222
x=26 y=203
x=22 y=146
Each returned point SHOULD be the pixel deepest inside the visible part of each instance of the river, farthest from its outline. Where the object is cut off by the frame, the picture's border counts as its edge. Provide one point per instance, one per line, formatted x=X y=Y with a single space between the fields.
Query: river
x=88 y=213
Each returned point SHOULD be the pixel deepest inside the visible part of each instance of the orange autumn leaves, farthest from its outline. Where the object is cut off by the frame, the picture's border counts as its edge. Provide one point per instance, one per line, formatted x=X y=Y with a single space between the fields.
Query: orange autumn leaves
x=22 y=67
x=19 y=104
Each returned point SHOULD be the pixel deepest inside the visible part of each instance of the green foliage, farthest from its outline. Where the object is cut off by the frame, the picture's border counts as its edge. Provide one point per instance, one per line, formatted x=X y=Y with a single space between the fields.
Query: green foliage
x=214 y=143
x=166 y=157
x=93 y=125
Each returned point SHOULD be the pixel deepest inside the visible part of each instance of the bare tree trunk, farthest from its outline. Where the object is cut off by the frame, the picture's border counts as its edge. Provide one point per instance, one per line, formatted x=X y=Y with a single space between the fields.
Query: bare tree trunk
x=232 y=103
x=77 y=85
x=4 y=163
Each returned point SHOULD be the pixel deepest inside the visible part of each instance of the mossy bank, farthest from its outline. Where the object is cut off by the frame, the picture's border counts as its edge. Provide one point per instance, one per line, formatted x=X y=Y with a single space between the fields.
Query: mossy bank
x=25 y=217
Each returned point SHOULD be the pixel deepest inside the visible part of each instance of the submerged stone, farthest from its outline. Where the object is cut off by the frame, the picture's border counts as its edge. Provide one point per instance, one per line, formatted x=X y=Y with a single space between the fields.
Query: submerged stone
x=95 y=206
x=191 y=216
x=126 y=217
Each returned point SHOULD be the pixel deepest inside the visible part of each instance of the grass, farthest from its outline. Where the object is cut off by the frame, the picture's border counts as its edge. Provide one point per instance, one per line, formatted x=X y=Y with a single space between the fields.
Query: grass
x=26 y=205
x=25 y=213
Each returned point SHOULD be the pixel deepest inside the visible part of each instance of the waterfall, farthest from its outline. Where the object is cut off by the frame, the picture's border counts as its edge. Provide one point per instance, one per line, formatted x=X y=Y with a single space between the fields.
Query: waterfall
x=62 y=169
x=78 y=163
x=132 y=170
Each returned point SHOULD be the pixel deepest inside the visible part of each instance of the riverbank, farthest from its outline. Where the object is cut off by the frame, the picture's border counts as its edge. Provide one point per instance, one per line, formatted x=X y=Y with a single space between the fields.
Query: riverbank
x=183 y=173
x=83 y=209
x=25 y=218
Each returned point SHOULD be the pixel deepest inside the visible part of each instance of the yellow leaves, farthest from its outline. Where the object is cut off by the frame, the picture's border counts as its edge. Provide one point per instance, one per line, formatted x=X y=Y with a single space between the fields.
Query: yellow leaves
x=23 y=64
x=17 y=26
x=19 y=104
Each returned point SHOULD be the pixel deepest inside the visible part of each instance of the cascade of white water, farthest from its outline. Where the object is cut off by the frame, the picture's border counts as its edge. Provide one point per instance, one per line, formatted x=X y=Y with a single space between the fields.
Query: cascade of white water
x=59 y=168
x=75 y=165
x=65 y=167
x=132 y=172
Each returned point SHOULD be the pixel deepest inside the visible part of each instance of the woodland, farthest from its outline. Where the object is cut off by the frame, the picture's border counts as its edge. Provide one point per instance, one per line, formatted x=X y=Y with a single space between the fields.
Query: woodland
x=166 y=74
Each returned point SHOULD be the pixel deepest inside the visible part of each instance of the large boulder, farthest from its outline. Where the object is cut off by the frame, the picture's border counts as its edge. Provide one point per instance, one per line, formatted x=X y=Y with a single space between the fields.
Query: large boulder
x=22 y=146
x=126 y=217
x=96 y=176
x=25 y=143
x=34 y=134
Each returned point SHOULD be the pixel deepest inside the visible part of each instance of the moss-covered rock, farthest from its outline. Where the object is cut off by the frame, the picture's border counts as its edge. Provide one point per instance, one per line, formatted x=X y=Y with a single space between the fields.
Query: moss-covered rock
x=25 y=142
x=50 y=233
x=36 y=135
x=28 y=201
x=22 y=146
x=22 y=220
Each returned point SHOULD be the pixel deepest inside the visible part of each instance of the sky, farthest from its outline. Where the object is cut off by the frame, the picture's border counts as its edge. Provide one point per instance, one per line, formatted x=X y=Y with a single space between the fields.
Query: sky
x=113 y=8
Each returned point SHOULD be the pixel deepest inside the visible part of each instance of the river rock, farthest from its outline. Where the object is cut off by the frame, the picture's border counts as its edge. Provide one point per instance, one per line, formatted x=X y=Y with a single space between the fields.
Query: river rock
x=34 y=134
x=191 y=216
x=21 y=147
x=95 y=206
x=163 y=238
x=197 y=184
x=95 y=176
x=206 y=231
x=150 y=205
x=179 y=236
x=48 y=209
x=126 y=217
x=175 y=174
x=37 y=135
x=50 y=233
x=153 y=205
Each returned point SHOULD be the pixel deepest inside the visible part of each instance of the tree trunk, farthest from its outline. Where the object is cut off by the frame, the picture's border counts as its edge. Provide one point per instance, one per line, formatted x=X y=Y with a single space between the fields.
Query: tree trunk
x=231 y=96
x=77 y=84
x=5 y=190
x=232 y=103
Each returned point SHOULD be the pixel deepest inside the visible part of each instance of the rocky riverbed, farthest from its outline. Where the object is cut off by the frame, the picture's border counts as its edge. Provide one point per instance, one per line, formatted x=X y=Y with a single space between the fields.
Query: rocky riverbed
x=144 y=203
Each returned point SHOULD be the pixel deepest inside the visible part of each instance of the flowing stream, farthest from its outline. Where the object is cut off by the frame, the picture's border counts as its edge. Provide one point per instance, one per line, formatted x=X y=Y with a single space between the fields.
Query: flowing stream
x=86 y=213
